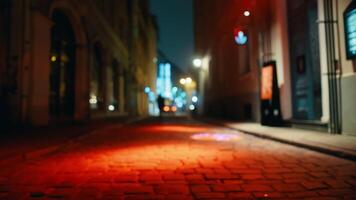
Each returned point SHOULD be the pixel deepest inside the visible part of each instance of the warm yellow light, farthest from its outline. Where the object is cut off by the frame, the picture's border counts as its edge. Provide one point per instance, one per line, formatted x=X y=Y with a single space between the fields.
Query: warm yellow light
x=188 y=80
x=174 y=109
x=166 y=108
x=182 y=81
x=53 y=58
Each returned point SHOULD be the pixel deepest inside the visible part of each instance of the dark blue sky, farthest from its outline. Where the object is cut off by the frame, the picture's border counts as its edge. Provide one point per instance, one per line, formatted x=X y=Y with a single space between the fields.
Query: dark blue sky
x=175 y=22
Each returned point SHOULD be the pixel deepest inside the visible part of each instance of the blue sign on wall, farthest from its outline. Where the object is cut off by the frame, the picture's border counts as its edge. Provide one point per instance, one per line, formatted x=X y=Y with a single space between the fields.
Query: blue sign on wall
x=350 y=30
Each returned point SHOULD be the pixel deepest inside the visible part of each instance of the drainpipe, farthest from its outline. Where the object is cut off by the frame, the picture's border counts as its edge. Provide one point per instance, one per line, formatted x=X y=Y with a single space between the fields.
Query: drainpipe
x=333 y=72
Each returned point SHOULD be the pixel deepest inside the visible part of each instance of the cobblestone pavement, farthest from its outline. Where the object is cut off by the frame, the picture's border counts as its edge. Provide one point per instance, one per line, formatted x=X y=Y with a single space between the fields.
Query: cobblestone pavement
x=180 y=161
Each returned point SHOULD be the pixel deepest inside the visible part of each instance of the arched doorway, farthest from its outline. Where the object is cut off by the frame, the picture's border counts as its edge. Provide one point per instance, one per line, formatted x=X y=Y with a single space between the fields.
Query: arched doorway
x=62 y=73
x=96 y=80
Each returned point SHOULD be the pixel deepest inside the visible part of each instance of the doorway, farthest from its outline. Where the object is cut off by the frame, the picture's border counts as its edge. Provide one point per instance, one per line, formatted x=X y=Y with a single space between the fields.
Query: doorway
x=62 y=73
x=305 y=60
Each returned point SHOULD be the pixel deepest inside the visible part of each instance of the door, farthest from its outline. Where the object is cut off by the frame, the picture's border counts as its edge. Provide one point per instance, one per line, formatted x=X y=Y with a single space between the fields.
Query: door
x=62 y=73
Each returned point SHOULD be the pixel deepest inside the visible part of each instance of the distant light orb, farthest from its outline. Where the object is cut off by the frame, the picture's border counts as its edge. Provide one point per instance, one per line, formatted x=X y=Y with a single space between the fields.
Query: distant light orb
x=111 y=107
x=188 y=80
x=53 y=58
x=241 y=38
x=183 y=81
x=174 y=89
x=191 y=107
x=147 y=90
x=166 y=108
x=197 y=62
x=155 y=60
x=93 y=100
x=247 y=13
x=195 y=99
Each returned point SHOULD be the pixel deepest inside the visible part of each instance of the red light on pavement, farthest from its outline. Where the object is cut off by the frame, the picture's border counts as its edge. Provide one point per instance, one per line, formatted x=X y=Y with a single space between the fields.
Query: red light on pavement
x=175 y=128
x=215 y=137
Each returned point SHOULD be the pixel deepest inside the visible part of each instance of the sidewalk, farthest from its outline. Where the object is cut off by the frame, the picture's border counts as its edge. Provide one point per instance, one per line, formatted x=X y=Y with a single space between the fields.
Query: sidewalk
x=20 y=144
x=343 y=146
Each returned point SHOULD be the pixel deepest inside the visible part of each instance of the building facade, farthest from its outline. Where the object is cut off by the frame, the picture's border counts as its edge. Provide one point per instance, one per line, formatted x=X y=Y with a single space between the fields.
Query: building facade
x=230 y=70
x=65 y=60
x=306 y=40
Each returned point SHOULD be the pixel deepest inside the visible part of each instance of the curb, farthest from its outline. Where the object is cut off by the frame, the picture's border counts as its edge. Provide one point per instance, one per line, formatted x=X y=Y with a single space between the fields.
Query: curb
x=336 y=153
x=36 y=153
x=320 y=149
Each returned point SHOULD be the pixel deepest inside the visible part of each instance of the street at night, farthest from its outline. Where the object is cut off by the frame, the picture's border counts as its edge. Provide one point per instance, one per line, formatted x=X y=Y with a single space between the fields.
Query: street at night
x=177 y=99
x=177 y=158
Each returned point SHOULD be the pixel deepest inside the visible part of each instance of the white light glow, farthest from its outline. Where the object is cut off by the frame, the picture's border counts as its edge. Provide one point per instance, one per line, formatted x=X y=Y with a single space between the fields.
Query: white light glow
x=188 y=80
x=191 y=107
x=194 y=99
x=111 y=107
x=93 y=100
x=197 y=62
x=182 y=81
x=247 y=13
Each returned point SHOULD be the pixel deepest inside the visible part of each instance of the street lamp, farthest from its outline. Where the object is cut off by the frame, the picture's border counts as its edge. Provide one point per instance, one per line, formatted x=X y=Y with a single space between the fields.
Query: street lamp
x=197 y=62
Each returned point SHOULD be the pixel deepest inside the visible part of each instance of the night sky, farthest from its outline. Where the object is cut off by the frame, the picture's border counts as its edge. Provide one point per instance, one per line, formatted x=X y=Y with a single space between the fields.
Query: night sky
x=175 y=21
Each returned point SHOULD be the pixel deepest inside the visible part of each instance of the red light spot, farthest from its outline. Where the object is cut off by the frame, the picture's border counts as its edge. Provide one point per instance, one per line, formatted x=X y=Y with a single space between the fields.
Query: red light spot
x=176 y=128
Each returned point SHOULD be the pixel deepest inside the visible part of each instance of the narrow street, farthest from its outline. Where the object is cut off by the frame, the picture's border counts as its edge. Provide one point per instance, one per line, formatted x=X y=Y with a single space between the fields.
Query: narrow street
x=178 y=158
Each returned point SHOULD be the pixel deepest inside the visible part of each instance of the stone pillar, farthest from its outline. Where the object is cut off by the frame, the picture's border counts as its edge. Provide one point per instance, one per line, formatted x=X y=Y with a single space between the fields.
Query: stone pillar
x=82 y=82
x=106 y=68
x=121 y=97
x=40 y=72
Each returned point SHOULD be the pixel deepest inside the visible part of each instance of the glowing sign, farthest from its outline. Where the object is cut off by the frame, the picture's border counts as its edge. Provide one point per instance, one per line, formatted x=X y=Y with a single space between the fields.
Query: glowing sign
x=164 y=80
x=267 y=82
x=350 y=30
x=240 y=36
